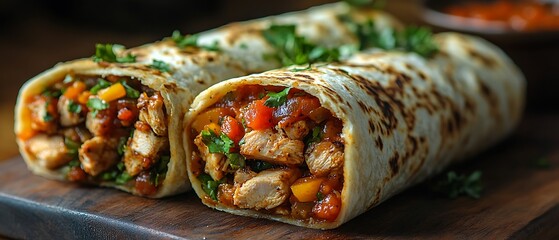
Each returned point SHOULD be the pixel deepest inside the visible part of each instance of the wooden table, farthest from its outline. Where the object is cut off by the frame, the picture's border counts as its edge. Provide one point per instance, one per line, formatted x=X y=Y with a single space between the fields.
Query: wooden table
x=520 y=201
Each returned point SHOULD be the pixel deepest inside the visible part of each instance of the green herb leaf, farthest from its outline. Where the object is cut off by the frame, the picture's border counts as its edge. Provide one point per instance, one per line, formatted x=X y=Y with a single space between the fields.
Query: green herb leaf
x=217 y=144
x=160 y=171
x=109 y=176
x=292 y=49
x=314 y=136
x=243 y=46
x=71 y=146
x=455 y=185
x=106 y=53
x=74 y=163
x=47 y=117
x=184 y=41
x=54 y=93
x=130 y=91
x=96 y=104
x=74 y=107
x=367 y=3
x=418 y=40
x=120 y=166
x=319 y=196
x=277 y=99
x=121 y=148
x=101 y=84
x=160 y=65
x=123 y=178
x=209 y=185
x=236 y=160
x=257 y=165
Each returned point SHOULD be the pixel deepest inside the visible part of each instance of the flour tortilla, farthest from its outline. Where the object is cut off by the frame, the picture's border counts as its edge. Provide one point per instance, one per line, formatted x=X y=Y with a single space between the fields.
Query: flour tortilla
x=242 y=51
x=405 y=117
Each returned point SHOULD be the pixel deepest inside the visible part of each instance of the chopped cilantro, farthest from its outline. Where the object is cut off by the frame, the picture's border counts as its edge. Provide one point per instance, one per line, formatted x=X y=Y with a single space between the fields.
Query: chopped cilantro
x=243 y=46
x=257 y=165
x=106 y=53
x=277 y=99
x=209 y=185
x=123 y=178
x=314 y=136
x=130 y=91
x=47 y=117
x=236 y=160
x=121 y=148
x=217 y=144
x=74 y=107
x=184 y=41
x=52 y=93
x=319 y=196
x=71 y=146
x=74 y=163
x=101 y=84
x=160 y=65
x=418 y=40
x=160 y=170
x=455 y=185
x=292 y=49
x=366 y=3
x=96 y=104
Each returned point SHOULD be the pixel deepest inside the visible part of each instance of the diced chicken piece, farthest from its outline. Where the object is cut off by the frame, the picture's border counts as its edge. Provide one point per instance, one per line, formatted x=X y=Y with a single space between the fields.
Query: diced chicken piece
x=215 y=162
x=50 y=151
x=102 y=123
x=142 y=151
x=242 y=175
x=76 y=134
x=98 y=155
x=268 y=189
x=324 y=157
x=67 y=117
x=44 y=116
x=297 y=130
x=153 y=113
x=272 y=147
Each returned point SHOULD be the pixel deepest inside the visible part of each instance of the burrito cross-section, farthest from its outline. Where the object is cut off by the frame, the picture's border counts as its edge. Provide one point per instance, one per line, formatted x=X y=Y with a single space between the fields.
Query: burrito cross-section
x=316 y=147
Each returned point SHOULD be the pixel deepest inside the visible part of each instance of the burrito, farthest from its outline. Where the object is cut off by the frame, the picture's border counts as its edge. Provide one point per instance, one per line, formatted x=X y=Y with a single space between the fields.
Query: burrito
x=115 y=120
x=319 y=146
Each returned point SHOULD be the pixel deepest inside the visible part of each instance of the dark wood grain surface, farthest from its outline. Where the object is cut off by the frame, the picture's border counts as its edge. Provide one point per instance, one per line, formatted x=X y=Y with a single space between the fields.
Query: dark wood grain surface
x=520 y=201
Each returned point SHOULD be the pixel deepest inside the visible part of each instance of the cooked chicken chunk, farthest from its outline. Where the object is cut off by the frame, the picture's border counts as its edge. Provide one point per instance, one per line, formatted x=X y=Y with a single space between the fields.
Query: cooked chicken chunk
x=272 y=147
x=323 y=157
x=100 y=124
x=44 y=116
x=142 y=150
x=77 y=134
x=68 y=117
x=50 y=151
x=242 y=175
x=268 y=189
x=216 y=163
x=98 y=155
x=152 y=112
x=297 y=130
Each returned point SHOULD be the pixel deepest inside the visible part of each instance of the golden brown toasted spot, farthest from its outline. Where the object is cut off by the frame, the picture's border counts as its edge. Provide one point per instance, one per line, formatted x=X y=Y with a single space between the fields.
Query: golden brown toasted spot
x=394 y=163
x=379 y=143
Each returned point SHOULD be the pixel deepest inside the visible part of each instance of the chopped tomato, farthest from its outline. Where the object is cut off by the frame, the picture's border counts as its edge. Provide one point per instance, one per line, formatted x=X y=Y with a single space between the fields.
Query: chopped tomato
x=144 y=185
x=76 y=174
x=84 y=97
x=258 y=116
x=125 y=114
x=329 y=208
x=295 y=109
x=232 y=128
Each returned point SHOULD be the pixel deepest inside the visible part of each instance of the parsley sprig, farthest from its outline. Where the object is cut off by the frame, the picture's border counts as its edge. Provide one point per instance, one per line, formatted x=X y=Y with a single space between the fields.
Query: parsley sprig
x=292 y=49
x=106 y=53
x=184 y=41
x=277 y=99
x=411 y=39
x=455 y=185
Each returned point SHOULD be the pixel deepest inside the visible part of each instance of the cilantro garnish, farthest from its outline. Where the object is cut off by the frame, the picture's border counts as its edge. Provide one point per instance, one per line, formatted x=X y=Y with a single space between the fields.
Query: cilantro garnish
x=236 y=160
x=158 y=173
x=71 y=146
x=97 y=104
x=209 y=185
x=160 y=65
x=130 y=91
x=217 y=144
x=184 y=41
x=123 y=178
x=319 y=196
x=366 y=3
x=101 y=84
x=455 y=185
x=121 y=148
x=314 y=136
x=47 y=117
x=257 y=165
x=277 y=99
x=106 y=53
x=74 y=107
x=52 y=93
x=292 y=49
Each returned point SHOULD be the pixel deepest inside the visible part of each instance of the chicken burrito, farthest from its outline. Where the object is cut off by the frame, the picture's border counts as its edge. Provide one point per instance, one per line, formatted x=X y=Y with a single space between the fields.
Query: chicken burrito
x=115 y=120
x=318 y=146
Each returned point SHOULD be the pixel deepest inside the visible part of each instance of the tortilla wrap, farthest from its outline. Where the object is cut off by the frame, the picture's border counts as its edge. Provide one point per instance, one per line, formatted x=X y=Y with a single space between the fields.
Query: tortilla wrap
x=192 y=69
x=405 y=118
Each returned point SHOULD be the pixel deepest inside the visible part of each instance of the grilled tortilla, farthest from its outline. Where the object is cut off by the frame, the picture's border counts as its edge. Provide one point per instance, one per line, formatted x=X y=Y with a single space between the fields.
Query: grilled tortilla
x=318 y=147
x=119 y=124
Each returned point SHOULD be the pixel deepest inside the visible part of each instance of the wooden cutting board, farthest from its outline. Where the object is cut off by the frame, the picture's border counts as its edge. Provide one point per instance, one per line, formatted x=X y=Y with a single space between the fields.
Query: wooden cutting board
x=520 y=201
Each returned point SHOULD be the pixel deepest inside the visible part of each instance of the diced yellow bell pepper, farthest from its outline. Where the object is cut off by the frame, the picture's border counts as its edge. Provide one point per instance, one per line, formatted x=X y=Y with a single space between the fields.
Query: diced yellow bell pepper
x=210 y=116
x=214 y=127
x=305 y=189
x=112 y=93
x=74 y=90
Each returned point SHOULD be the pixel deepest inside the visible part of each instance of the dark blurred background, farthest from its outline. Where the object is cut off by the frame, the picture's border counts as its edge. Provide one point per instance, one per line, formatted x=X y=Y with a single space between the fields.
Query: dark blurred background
x=37 y=34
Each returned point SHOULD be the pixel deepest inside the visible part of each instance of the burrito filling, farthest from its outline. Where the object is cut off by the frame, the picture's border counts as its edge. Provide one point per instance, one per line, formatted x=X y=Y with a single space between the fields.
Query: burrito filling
x=271 y=149
x=100 y=129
